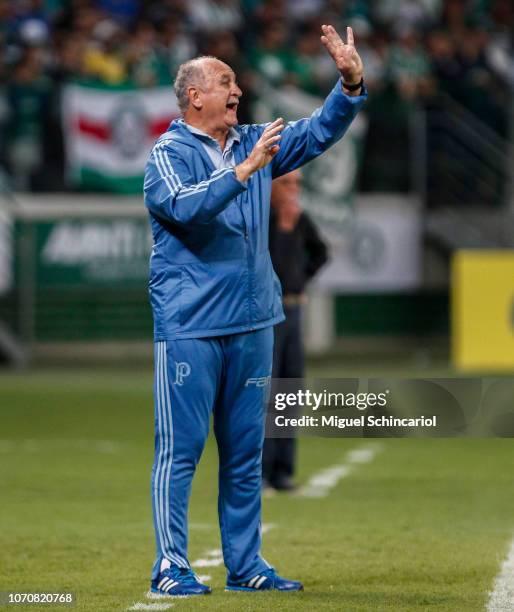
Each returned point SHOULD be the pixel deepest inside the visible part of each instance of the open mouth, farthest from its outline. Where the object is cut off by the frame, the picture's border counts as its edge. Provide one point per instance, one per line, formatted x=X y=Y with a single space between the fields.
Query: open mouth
x=232 y=106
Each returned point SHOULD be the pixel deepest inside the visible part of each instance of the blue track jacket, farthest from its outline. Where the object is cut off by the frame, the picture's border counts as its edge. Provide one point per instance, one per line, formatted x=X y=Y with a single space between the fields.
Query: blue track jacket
x=210 y=268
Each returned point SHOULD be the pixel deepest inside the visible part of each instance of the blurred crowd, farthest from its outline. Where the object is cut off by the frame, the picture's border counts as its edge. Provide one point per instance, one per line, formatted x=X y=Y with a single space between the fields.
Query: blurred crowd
x=413 y=50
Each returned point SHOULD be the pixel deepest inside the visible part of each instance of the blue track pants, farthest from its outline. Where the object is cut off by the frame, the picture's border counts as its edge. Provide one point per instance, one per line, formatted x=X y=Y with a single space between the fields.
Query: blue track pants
x=225 y=376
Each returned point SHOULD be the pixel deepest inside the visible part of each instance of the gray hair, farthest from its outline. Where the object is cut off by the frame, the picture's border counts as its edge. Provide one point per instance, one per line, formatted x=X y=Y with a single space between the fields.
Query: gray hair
x=189 y=73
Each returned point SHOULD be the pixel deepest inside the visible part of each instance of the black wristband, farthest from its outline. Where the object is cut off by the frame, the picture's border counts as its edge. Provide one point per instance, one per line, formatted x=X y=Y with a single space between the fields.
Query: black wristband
x=354 y=87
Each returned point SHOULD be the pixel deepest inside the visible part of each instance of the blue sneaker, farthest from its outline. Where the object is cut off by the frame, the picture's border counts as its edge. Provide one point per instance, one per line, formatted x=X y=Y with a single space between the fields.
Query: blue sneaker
x=178 y=582
x=268 y=580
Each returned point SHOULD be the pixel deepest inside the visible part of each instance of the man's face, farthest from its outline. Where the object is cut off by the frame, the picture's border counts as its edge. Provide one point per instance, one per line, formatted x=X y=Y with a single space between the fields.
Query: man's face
x=219 y=95
x=285 y=190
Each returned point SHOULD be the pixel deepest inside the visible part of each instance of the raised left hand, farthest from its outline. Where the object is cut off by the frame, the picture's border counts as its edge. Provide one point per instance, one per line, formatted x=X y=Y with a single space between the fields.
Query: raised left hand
x=345 y=56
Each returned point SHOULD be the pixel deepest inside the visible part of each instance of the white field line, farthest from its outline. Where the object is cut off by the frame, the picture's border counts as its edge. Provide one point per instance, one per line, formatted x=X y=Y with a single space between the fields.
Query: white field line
x=158 y=597
x=211 y=558
x=501 y=598
x=203 y=578
x=201 y=526
x=325 y=480
x=362 y=455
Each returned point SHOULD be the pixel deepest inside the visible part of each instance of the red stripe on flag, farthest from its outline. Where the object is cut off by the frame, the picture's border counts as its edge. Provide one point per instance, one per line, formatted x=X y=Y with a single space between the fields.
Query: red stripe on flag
x=158 y=126
x=103 y=131
x=97 y=130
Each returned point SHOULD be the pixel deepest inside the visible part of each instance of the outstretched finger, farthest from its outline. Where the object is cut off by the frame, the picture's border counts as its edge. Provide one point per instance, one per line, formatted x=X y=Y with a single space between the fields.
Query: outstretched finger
x=331 y=33
x=271 y=131
x=329 y=46
x=271 y=126
x=349 y=36
x=271 y=140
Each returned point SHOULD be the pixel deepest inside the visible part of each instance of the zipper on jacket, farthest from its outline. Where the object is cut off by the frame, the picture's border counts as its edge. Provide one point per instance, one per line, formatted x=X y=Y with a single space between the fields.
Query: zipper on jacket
x=243 y=201
x=241 y=204
x=245 y=228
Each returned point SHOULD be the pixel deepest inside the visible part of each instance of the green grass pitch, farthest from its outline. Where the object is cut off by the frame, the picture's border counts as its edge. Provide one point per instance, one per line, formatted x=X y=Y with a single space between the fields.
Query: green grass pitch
x=425 y=526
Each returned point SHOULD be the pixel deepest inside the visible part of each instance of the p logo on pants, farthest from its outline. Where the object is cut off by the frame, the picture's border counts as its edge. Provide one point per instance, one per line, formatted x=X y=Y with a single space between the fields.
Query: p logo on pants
x=182 y=370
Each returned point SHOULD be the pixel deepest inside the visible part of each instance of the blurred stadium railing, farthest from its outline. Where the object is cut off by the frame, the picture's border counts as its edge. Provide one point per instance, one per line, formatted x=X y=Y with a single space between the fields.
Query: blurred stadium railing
x=467 y=161
x=462 y=172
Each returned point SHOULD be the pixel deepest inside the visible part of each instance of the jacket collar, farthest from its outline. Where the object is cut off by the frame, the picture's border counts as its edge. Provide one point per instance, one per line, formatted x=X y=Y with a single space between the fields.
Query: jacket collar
x=179 y=131
x=233 y=136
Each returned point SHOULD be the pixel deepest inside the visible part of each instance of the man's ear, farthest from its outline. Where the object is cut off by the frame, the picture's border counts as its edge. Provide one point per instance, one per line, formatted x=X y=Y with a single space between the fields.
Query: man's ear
x=194 y=97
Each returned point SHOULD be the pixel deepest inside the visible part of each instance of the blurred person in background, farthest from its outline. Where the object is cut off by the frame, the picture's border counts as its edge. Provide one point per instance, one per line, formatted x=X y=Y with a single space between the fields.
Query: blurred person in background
x=215 y=15
x=310 y=69
x=297 y=252
x=271 y=56
x=409 y=66
x=412 y=13
x=146 y=60
x=454 y=15
x=30 y=10
x=304 y=10
x=69 y=54
x=479 y=88
x=446 y=67
x=122 y=11
x=266 y=12
x=6 y=25
x=406 y=81
x=28 y=96
x=80 y=19
x=105 y=58
x=177 y=42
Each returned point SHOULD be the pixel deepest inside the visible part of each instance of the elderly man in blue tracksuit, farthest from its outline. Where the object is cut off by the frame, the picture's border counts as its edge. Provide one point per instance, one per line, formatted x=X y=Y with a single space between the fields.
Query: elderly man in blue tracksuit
x=215 y=300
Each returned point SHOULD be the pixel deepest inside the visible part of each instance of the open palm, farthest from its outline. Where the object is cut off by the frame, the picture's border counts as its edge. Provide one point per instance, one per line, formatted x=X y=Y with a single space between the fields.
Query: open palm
x=345 y=56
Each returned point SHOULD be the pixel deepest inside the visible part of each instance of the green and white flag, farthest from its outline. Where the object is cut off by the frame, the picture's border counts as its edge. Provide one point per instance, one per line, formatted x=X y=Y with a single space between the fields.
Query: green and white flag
x=109 y=133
